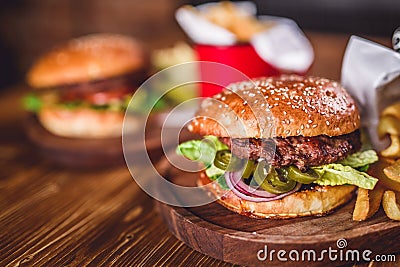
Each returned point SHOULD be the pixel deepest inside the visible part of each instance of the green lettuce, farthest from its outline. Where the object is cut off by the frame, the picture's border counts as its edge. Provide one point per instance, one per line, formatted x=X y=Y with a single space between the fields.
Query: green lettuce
x=338 y=174
x=204 y=151
x=360 y=159
x=32 y=102
x=201 y=150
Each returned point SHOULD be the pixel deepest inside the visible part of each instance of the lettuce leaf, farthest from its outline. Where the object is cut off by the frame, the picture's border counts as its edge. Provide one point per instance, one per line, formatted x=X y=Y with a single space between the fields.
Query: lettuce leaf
x=216 y=174
x=360 y=159
x=338 y=174
x=201 y=150
x=32 y=102
x=204 y=151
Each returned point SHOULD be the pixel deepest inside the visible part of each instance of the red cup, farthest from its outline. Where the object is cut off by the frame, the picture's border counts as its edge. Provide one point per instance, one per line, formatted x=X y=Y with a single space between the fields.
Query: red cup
x=241 y=57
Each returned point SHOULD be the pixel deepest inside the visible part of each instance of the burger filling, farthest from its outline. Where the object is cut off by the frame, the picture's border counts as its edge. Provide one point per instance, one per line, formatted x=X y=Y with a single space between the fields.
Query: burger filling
x=111 y=94
x=269 y=169
x=300 y=151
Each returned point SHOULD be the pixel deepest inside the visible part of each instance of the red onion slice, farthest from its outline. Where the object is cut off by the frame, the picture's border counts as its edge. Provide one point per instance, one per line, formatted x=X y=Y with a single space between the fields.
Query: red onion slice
x=246 y=192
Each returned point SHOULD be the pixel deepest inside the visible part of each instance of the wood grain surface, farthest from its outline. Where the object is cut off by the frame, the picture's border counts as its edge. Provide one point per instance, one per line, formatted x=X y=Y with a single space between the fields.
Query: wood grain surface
x=63 y=216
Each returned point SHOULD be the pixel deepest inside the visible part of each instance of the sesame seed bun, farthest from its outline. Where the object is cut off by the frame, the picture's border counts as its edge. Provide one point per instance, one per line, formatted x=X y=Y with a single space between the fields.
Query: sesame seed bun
x=317 y=202
x=288 y=105
x=88 y=58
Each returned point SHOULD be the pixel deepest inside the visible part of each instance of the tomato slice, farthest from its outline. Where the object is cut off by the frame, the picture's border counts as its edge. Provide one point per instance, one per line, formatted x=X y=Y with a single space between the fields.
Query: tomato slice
x=104 y=97
x=97 y=97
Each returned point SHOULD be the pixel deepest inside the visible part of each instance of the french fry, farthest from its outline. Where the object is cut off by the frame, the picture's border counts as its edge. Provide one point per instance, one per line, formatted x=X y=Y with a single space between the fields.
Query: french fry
x=391 y=177
x=390 y=205
x=235 y=20
x=393 y=151
x=388 y=125
x=367 y=203
x=392 y=110
x=377 y=170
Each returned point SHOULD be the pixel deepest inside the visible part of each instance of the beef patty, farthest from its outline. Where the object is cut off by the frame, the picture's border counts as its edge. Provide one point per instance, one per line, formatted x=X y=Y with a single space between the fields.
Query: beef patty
x=300 y=151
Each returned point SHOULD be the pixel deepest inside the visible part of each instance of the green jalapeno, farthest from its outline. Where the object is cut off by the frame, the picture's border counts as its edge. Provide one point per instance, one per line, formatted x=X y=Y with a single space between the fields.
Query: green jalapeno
x=248 y=169
x=297 y=175
x=225 y=161
x=269 y=179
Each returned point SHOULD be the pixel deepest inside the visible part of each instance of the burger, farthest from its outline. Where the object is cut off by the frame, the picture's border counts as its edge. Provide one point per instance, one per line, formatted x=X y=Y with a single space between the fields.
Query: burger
x=82 y=88
x=280 y=147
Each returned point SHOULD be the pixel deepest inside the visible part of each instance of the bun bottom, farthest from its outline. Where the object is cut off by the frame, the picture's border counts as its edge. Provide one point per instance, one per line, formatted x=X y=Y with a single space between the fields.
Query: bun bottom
x=81 y=122
x=317 y=202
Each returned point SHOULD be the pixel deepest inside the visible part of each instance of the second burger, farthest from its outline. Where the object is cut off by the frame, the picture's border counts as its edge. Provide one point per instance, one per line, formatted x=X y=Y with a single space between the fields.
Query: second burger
x=82 y=88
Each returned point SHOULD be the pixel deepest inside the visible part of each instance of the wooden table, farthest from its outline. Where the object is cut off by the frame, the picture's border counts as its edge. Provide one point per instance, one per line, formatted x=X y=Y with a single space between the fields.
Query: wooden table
x=58 y=216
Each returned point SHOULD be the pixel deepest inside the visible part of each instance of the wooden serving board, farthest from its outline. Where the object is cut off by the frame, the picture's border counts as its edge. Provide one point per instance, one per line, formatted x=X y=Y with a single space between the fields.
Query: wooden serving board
x=215 y=231
x=86 y=153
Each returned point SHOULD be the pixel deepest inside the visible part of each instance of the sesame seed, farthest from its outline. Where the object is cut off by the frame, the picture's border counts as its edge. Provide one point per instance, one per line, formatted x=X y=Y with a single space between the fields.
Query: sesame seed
x=327 y=123
x=314 y=125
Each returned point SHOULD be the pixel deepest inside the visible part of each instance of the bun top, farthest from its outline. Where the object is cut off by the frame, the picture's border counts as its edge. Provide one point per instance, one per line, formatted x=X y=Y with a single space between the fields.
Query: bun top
x=288 y=105
x=87 y=58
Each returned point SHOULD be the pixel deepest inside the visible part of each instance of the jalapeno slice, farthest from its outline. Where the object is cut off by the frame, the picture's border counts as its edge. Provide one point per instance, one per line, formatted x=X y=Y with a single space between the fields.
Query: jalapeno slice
x=297 y=175
x=225 y=161
x=248 y=169
x=269 y=179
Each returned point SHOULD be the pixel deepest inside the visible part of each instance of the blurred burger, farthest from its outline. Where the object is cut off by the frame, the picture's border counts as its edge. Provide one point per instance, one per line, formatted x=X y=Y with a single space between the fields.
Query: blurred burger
x=280 y=147
x=82 y=88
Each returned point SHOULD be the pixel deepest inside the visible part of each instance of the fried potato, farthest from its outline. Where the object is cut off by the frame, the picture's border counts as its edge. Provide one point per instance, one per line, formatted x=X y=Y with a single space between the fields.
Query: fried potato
x=367 y=203
x=392 y=110
x=391 y=179
x=388 y=125
x=223 y=14
x=390 y=205
x=393 y=151
x=377 y=170
x=235 y=20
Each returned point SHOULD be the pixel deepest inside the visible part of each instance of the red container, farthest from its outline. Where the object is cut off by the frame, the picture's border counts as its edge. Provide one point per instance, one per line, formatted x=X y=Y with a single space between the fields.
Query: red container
x=241 y=57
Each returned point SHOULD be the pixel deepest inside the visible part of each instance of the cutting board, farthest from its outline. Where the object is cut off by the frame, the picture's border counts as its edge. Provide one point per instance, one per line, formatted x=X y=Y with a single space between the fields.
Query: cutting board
x=215 y=231
x=85 y=153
